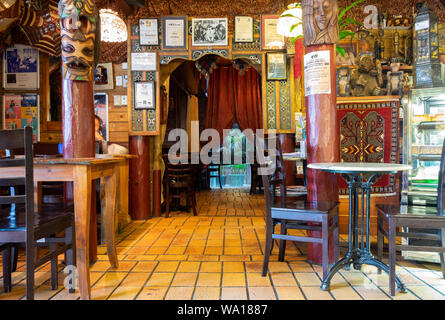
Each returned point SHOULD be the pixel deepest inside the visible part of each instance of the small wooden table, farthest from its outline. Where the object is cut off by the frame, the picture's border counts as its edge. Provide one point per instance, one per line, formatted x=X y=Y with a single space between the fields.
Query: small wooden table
x=359 y=249
x=81 y=171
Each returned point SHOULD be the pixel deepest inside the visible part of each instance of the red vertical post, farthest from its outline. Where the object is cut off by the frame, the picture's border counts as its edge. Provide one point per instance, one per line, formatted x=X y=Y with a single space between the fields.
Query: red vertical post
x=78 y=136
x=323 y=143
x=320 y=28
x=140 y=199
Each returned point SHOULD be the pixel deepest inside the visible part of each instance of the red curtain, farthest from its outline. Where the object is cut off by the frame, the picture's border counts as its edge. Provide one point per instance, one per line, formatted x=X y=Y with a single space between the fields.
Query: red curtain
x=233 y=97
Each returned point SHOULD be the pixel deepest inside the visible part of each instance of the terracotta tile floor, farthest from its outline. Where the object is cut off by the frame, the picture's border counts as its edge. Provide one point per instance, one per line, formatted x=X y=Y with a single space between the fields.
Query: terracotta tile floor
x=218 y=255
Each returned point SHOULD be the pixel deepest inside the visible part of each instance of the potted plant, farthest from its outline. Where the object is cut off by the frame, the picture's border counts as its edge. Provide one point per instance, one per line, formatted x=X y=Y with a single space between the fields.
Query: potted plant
x=237 y=175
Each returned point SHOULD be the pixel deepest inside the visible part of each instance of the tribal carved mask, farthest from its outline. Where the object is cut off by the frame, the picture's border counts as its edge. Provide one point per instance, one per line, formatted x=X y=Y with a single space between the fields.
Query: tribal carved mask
x=80 y=38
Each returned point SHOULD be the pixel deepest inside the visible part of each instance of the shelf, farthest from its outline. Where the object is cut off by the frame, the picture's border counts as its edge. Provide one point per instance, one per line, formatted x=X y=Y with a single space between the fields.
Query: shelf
x=427 y=157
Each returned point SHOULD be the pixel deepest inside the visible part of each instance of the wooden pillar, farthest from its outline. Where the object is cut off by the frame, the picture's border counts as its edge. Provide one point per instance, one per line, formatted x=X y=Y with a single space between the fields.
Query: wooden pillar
x=140 y=196
x=320 y=28
x=78 y=137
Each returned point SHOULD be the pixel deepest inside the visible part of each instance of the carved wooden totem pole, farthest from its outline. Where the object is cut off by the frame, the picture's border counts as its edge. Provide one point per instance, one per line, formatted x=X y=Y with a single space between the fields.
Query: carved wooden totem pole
x=320 y=33
x=80 y=38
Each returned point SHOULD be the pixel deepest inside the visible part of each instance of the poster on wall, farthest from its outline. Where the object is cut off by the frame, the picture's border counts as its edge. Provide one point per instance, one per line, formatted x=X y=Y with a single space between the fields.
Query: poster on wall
x=243 y=29
x=209 y=32
x=148 y=32
x=143 y=61
x=101 y=111
x=174 y=32
x=270 y=38
x=103 y=77
x=317 y=73
x=144 y=93
x=21 y=67
x=21 y=110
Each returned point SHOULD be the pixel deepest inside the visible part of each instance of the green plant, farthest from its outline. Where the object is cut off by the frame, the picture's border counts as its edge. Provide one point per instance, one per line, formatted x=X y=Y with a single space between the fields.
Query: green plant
x=343 y=24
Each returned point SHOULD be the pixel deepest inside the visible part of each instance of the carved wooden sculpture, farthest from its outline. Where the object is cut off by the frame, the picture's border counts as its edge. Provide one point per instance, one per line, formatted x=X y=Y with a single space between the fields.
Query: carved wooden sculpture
x=80 y=36
x=322 y=22
x=367 y=79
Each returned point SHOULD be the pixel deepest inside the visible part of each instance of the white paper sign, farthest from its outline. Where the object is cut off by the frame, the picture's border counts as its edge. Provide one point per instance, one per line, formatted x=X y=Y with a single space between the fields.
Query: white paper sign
x=148 y=32
x=123 y=100
x=117 y=100
x=174 y=33
x=119 y=81
x=317 y=73
x=143 y=61
x=425 y=24
x=144 y=95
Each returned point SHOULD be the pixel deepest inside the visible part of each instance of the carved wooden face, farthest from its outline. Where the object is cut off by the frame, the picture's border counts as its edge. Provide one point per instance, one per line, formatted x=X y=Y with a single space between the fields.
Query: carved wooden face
x=323 y=12
x=79 y=24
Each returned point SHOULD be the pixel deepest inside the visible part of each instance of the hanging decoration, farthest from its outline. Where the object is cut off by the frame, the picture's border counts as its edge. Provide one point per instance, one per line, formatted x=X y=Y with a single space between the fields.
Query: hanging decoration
x=241 y=66
x=206 y=65
x=112 y=27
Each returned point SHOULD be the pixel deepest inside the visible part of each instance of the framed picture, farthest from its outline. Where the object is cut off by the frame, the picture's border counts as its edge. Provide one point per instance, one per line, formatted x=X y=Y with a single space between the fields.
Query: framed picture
x=144 y=61
x=21 y=68
x=148 y=32
x=343 y=82
x=276 y=66
x=209 y=32
x=101 y=111
x=21 y=110
x=270 y=38
x=103 y=76
x=243 y=29
x=174 y=32
x=351 y=53
x=144 y=95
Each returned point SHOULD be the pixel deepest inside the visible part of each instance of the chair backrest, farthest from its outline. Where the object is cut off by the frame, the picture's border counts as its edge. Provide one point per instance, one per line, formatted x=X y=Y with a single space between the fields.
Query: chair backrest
x=17 y=139
x=275 y=179
x=179 y=172
x=441 y=185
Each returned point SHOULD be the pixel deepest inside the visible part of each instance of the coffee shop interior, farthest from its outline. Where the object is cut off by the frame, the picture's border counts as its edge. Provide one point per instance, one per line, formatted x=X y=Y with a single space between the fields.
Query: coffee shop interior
x=135 y=137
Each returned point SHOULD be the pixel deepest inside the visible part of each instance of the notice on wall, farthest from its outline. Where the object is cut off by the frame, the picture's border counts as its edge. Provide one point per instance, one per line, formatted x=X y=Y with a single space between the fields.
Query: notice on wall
x=317 y=73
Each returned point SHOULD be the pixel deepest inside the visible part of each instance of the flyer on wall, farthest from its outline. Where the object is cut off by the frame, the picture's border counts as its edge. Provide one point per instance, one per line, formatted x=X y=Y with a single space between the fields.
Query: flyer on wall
x=317 y=72
x=21 y=110
x=21 y=67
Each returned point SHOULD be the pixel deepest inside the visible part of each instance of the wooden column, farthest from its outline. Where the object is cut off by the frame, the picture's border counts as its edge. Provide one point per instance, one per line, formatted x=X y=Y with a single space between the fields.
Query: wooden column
x=78 y=137
x=320 y=29
x=140 y=196
x=78 y=119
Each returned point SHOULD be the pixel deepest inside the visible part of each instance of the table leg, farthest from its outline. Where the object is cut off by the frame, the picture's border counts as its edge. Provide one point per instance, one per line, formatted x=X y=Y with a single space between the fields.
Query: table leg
x=110 y=185
x=82 y=207
x=37 y=196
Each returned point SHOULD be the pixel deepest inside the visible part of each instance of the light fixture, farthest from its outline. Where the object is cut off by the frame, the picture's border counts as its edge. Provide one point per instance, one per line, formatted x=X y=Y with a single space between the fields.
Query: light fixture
x=292 y=16
x=112 y=28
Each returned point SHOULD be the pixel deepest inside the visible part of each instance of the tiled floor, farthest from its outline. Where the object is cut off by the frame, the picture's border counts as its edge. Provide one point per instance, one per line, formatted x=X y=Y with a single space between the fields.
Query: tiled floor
x=219 y=255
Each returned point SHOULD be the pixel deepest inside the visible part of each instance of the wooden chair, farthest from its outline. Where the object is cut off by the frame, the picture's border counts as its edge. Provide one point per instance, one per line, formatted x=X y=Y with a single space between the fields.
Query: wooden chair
x=292 y=214
x=20 y=224
x=179 y=178
x=416 y=218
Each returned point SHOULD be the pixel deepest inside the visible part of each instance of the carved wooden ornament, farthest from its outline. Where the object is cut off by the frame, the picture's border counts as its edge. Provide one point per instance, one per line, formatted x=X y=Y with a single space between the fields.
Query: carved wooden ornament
x=320 y=22
x=80 y=38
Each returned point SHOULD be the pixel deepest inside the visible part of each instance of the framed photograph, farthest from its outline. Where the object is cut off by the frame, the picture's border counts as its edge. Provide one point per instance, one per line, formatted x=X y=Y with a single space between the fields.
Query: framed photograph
x=144 y=61
x=270 y=38
x=144 y=95
x=21 y=110
x=343 y=82
x=351 y=53
x=209 y=32
x=243 y=29
x=103 y=76
x=276 y=66
x=21 y=68
x=101 y=111
x=148 y=32
x=174 y=32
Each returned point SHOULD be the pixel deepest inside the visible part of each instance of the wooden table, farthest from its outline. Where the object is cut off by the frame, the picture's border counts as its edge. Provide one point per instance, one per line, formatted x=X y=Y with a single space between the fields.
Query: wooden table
x=123 y=213
x=81 y=171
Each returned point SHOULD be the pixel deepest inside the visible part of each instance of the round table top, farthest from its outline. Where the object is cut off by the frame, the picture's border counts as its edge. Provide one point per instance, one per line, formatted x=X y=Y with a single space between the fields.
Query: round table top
x=359 y=167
